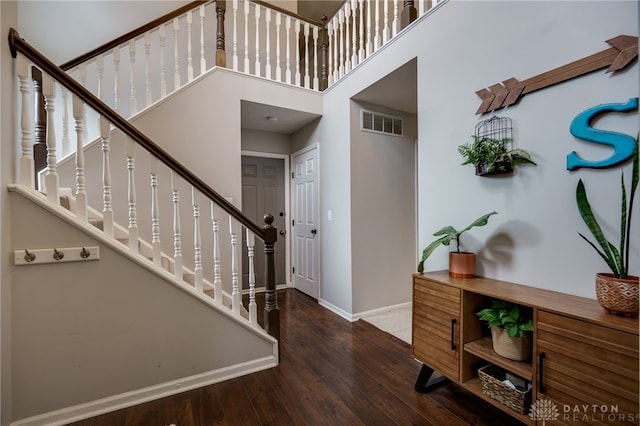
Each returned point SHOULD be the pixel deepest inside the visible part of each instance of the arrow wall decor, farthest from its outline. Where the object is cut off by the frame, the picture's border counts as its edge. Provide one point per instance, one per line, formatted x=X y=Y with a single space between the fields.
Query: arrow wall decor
x=623 y=50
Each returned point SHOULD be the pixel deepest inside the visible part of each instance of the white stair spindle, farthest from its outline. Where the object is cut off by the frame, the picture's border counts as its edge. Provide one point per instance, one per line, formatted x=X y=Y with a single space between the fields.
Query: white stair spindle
x=197 y=245
x=331 y=40
x=235 y=35
x=385 y=30
x=116 y=78
x=80 y=194
x=336 y=48
x=147 y=66
x=100 y=70
x=307 y=81
x=107 y=209
x=361 y=45
x=66 y=141
x=354 y=35
x=177 y=237
x=189 y=47
x=267 y=66
x=246 y=36
x=316 y=71
x=82 y=73
x=347 y=37
x=376 y=29
x=253 y=307
x=23 y=70
x=258 y=65
x=203 y=60
x=176 y=56
x=296 y=28
x=131 y=195
x=421 y=7
x=288 y=37
x=155 y=213
x=51 y=176
x=133 y=104
x=396 y=18
x=235 y=287
x=341 y=35
x=369 y=27
x=163 y=67
x=217 y=278
x=279 y=76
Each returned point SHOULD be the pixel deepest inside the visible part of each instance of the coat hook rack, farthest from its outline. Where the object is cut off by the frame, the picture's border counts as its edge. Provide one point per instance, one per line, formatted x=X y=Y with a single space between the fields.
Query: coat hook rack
x=55 y=255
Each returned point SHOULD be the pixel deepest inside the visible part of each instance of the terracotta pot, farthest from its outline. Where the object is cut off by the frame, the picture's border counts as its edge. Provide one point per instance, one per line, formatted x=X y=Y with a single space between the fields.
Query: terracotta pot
x=617 y=295
x=462 y=264
x=514 y=348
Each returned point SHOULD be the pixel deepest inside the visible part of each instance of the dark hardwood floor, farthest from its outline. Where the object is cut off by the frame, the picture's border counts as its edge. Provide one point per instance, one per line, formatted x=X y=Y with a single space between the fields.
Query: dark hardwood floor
x=331 y=372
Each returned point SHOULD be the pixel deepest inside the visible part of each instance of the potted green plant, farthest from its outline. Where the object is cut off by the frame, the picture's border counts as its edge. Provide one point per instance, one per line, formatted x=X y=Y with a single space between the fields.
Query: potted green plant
x=492 y=156
x=461 y=264
x=616 y=291
x=511 y=326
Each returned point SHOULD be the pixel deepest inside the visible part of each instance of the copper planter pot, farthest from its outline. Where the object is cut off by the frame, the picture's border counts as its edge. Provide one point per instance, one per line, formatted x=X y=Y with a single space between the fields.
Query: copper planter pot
x=462 y=264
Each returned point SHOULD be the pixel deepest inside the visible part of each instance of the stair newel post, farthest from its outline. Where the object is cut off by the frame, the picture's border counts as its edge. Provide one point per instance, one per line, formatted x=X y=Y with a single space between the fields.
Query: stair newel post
x=177 y=237
x=189 y=47
x=131 y=195
x=80 y=194
x=221 y=55
x=258 y=65
x=27 y=172
x=203 y=60
x=133 y=104
x=235 y=285
x=197 y=242
x=271 y=311
x=107 y=210
x=307 y=81
x=147 y=69
x=253 y=308
x=163 y=66
x=324 y=55
x=155 y=212
x=408 y=15
x=40 y=127
x=51 y=176
x=316 y=80
x=176 y=57
x=217 y=278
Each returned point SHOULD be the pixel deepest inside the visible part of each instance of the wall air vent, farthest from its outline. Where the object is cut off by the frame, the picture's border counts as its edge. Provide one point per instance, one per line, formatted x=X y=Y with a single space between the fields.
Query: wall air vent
x=380 y=123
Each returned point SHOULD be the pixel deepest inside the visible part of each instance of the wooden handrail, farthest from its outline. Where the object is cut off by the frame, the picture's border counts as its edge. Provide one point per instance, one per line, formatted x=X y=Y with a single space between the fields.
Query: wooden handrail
x=18 y=44
x=132 y=34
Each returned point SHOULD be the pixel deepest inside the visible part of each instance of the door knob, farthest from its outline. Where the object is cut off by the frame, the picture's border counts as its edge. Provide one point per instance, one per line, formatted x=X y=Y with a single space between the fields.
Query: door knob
x=314 y=232
x=283 y=232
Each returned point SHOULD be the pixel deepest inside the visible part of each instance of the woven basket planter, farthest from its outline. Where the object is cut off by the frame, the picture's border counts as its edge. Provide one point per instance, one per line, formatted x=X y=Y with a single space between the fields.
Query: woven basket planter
x=491 y=380
x=514 y=348
x=617 y=295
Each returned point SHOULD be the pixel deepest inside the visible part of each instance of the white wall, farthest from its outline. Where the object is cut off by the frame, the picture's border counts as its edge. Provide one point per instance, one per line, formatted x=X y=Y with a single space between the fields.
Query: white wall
x=273 y=143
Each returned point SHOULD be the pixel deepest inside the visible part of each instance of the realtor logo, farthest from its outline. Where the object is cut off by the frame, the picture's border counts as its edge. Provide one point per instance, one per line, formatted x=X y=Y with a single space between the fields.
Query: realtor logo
x=544 y=409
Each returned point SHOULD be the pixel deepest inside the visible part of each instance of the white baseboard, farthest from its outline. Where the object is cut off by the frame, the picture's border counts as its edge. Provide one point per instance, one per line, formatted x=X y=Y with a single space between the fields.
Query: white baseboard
x=128 y=399
x=382 y=310
x=344 y=314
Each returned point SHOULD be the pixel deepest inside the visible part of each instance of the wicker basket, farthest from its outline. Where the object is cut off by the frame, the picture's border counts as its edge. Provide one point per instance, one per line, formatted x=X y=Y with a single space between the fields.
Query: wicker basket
x=491 y=378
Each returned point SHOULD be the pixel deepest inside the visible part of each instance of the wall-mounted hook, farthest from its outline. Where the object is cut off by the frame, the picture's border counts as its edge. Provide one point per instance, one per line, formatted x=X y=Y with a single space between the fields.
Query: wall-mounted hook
x=57 y=255
x=84 y=253
x=29 y=257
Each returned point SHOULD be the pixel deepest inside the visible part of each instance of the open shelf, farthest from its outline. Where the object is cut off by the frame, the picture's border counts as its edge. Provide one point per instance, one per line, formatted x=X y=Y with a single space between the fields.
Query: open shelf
x=483 y=348
x=475 y=387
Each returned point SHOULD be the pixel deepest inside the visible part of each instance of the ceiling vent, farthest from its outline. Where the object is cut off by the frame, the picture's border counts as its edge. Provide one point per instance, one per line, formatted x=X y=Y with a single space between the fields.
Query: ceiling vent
x=381 y=123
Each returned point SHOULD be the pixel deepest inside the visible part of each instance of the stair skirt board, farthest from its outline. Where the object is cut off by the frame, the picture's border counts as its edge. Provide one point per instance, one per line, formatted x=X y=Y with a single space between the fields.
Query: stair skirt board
x=128 y=399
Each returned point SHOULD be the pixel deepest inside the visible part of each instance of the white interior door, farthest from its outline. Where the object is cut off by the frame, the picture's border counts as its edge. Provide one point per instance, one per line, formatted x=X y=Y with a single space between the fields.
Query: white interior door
x=305 y=205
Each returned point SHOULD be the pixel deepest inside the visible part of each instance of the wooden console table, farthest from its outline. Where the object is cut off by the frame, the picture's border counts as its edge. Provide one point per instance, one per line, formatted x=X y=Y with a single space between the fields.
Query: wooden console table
x=581 y=355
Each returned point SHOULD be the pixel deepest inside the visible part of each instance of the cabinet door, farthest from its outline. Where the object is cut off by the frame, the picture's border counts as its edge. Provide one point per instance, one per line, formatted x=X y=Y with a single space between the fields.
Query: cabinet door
x=436 y=326
x=589 y=371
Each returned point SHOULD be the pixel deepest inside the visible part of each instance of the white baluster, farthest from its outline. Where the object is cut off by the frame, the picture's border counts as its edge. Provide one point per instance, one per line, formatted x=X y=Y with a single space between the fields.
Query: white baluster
x=189 y=47
x=385 y=30
x=116 y=78
x=336 y=48
x=66 y=141
x=267 y=66
x=177 y=237
x=107 y=209
x=235 y=287
x=396 y=18
x=82 y=73
x=296 y=28
x=354 y=38
x=331 y=49
x=253 y=307
x=147 y=67
x=100 y=69
x=131 y=195
x=217 y=278
x=347 y=37
x=246 y=37
x=369 y=27
x=23 y=70
x=361 y=51
x=197 y=246
x=203 y=60
x=376 y=29
x=316 y=71
x=235 y=35
x=176 y=56
x=51 y=176
x=341 y=35
x=288 y=36
x=133 y=104
x=421 y=7
x=163 y=67
x=155 y=213
x=258 y=65
x=306 y=55
x=279 y=76
x=80 y=194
